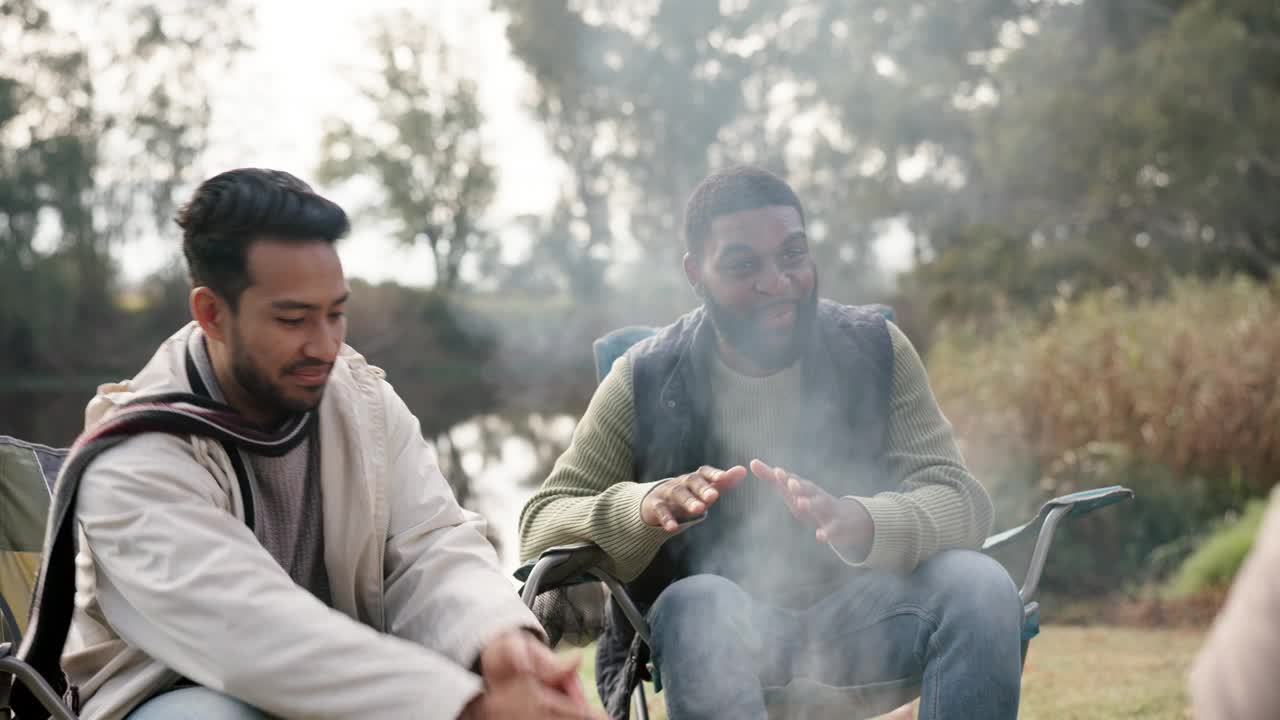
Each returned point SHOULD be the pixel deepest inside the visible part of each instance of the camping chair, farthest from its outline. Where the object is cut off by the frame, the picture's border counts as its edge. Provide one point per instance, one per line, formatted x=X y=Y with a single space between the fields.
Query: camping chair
x=573 y=565
x=27 y=473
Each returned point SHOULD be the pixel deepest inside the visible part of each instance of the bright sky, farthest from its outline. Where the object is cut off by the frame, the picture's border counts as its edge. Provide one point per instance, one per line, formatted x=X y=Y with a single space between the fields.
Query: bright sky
x=302 y=70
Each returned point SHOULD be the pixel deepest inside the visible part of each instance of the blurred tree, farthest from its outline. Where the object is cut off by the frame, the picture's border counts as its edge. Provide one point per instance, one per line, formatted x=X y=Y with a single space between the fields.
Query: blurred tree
x=843 y=98
x=633 y=121
x=102 y=111
x=423 y=150
x=46 y=158
x=422 y=147
x=1113 y=143
x=1131 y=142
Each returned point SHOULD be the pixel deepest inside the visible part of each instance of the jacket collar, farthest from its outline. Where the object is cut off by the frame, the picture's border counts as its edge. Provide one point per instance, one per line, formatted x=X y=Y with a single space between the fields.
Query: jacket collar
x=697 y=339
x=352 y=438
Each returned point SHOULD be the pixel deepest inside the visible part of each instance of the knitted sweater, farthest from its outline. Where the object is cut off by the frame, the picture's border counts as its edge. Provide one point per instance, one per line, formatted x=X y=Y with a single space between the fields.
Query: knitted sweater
x=286 y=496
x=591 y=494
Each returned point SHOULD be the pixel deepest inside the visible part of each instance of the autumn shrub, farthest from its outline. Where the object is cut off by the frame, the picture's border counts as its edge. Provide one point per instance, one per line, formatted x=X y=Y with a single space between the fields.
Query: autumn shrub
x=1175 y=397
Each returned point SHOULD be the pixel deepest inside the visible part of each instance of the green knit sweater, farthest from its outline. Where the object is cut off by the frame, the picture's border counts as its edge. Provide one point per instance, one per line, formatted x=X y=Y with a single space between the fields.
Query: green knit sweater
x=591 y=494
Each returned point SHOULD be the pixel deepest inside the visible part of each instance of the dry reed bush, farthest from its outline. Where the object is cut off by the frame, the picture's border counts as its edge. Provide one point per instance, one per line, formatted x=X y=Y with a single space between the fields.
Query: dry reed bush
x=1175 y=396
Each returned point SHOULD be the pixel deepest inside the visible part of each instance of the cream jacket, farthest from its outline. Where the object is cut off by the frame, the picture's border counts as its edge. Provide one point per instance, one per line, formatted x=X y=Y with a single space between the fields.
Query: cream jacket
x=171 y=582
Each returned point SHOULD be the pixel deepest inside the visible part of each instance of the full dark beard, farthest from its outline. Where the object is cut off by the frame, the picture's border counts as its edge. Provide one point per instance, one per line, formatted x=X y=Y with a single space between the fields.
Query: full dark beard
x=257 y=384
x=743 y=334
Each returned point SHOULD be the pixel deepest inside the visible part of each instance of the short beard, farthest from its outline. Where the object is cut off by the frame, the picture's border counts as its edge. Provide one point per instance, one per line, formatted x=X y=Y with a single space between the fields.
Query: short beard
x=257 y=384
x=741 y=333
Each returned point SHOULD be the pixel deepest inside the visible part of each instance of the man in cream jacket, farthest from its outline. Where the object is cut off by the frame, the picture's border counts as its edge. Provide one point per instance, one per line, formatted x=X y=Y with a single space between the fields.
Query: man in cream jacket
x=333 y=577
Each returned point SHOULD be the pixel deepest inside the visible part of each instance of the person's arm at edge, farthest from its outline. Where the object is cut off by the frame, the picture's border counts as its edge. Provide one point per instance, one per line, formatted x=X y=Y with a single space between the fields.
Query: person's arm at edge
x=1233 y=674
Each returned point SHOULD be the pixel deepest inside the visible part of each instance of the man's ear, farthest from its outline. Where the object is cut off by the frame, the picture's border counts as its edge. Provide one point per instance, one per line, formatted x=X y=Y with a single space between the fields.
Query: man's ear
x=211 y=312
x=693 y=273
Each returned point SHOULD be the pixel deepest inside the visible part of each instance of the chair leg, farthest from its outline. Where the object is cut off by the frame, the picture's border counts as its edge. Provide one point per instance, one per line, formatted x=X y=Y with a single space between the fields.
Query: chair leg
x=27 y=675
x=639 y=704
x=1030 y=627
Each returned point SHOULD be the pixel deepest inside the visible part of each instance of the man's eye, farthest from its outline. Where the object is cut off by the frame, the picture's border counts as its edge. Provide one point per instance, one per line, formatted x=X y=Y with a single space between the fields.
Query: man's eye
x=291 y=322
x=745 y=267
x=794 y=255
x=337 y=315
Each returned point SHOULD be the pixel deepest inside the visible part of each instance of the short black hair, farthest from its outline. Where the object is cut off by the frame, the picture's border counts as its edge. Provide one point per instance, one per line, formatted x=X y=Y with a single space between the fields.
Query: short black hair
x=734 y=189
x=230 y=211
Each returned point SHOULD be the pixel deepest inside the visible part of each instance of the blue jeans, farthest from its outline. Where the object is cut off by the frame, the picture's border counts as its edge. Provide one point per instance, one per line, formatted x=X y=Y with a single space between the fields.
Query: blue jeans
x=956 y=621
x=195 y=703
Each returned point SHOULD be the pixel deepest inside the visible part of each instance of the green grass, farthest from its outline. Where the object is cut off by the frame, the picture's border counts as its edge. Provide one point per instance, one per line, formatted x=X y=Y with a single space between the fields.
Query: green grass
x=1083 y=673
x=1101 y=673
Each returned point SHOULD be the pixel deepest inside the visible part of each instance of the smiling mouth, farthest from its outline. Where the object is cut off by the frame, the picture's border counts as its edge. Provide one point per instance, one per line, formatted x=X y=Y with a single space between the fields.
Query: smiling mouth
x=311 y=375
x=779 y=313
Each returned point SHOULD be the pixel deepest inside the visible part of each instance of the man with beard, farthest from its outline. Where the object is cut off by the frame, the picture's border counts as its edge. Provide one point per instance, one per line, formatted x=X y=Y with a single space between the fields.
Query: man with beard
x=321 y=568
x=772 y=477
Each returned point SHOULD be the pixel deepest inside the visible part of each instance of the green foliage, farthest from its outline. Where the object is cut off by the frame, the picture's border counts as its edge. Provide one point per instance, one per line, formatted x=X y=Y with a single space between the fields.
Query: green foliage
x=1123 y=144
x=99 y=124
x=1215 y=562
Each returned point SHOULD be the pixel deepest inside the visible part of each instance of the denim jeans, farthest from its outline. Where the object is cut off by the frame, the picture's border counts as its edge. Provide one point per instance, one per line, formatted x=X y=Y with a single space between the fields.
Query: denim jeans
x=195 y=703
x=956 y=622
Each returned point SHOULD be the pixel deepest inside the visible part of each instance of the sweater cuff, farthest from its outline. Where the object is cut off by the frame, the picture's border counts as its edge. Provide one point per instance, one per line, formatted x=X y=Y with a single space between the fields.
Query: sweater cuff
x=891 y=536
x=681 y=525
x=626 y=538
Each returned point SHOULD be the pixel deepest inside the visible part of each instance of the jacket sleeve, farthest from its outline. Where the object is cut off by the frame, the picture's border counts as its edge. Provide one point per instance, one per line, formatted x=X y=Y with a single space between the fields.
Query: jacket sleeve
x=1234 y=674
x=181 y=578
x=444 y=588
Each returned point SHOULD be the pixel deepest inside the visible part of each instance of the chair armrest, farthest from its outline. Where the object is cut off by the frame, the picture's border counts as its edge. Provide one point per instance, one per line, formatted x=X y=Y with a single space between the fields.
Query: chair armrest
x=1047 y=520
x=24 y=674
x=1077 y=504
x=573 y=564
x=558 y=567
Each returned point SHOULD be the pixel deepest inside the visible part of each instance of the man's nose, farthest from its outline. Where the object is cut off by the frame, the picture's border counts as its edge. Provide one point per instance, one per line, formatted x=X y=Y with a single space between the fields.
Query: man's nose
x=773 y=281
x=323 y=342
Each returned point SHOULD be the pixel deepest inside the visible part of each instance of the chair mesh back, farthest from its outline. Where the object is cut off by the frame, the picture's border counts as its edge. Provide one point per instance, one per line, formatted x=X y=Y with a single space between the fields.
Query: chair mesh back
x=574 y=614
x=27 y=473
x=608 y=348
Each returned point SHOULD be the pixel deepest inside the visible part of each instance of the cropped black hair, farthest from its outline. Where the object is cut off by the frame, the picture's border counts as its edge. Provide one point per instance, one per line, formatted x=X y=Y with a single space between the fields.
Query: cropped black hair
x=230 y=211
x=734 y=189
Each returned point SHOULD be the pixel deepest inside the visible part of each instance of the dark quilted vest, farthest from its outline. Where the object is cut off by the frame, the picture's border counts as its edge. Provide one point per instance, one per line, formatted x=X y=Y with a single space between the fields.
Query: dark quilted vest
x=848 y=371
